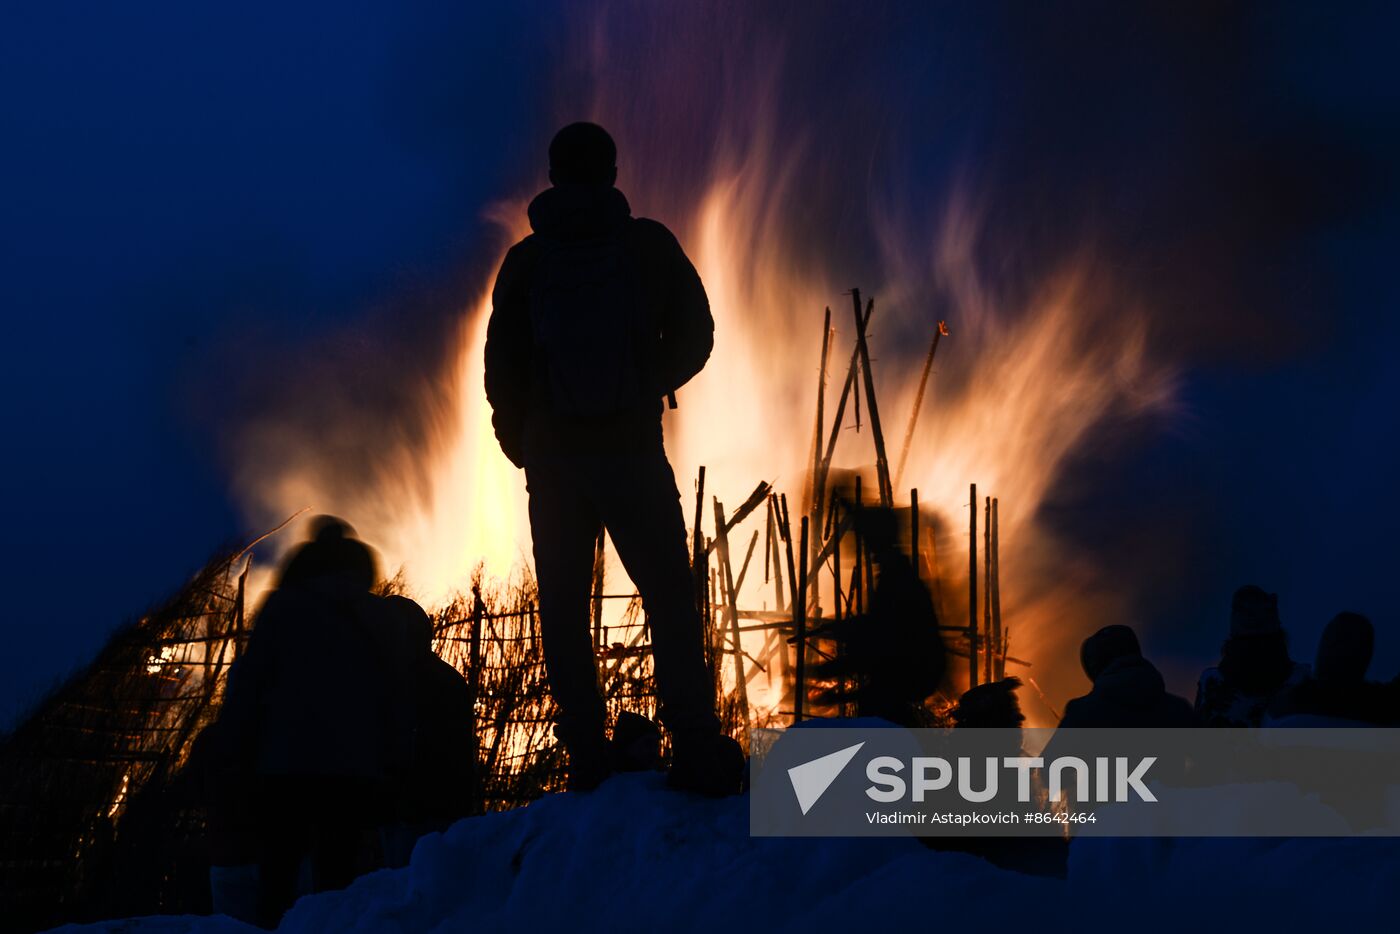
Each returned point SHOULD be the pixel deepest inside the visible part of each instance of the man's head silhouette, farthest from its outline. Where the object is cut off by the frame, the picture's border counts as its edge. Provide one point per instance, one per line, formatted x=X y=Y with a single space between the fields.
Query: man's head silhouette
x=582 y=154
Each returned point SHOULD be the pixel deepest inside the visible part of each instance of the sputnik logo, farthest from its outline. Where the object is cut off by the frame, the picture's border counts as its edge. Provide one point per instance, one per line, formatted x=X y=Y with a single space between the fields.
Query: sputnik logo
x=810 y=780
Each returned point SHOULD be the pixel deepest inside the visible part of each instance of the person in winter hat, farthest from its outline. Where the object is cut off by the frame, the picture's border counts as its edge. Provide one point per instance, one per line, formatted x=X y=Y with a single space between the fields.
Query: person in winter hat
x=1254 y=668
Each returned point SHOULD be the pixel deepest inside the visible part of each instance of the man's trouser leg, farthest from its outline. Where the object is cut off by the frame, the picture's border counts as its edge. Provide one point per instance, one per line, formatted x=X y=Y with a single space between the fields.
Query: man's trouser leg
x=565 y=526
x=640 y=506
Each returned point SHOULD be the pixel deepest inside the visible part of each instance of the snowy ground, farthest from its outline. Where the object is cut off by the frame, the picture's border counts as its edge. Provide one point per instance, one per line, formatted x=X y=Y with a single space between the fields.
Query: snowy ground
x=633 y=856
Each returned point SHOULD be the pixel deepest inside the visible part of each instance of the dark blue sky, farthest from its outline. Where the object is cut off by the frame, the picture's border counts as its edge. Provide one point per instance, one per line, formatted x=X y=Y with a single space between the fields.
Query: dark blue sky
x=197 y=195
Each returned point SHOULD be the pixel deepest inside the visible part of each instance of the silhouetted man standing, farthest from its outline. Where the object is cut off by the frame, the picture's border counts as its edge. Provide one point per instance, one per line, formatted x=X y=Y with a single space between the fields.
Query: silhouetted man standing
x=596 y=317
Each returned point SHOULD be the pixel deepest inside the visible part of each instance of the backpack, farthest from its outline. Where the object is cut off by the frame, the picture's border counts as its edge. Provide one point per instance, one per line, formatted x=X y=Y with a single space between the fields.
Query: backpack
x=591 y=333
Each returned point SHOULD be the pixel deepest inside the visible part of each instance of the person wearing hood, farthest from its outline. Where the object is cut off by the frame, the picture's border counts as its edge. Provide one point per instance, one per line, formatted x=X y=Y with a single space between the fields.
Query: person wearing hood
x=1338 y=693
x=597 y=316
x=313 y=716
x=1255 y=668
x=1128 y=690
x=438 y=783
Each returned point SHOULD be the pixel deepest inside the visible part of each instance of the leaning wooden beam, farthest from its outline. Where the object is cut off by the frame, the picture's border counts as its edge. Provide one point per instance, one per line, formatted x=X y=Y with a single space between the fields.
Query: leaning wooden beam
x=882 y=464
x=744 y=568
x=918 y=402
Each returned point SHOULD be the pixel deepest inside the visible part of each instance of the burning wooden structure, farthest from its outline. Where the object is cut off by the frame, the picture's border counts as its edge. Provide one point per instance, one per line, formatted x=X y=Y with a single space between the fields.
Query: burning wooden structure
x=100 y=817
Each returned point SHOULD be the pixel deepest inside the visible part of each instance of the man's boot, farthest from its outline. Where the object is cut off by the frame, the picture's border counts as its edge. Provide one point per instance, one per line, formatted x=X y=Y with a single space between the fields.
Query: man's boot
x=709 y=764
x=587 y=749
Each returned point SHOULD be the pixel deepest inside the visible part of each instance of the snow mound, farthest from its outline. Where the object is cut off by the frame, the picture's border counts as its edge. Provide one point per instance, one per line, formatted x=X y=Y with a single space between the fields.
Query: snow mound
x=633 y=856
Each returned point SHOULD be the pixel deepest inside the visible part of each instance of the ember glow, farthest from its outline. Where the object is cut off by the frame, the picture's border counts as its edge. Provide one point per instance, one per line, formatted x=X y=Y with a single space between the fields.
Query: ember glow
x=1029 y=373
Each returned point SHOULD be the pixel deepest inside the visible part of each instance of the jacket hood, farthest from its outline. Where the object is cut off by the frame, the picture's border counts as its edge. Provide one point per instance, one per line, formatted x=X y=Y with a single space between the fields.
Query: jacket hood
x=569 y=211
x=1130 y=681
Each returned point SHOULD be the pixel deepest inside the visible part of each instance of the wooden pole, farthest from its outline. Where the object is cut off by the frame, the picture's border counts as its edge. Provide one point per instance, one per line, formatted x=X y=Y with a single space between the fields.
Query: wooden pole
x=599 y=582
x=800 y=697
x=998 y=640
x=775 y=533
x=918 y=403
x=915 y=554
x=972 y=590
x=474 y=652
x=834 y=544
x=857 y=588
x=697 y=551
x=785 y=528
x=882 y=464
x=816 y=498
x=991 y=646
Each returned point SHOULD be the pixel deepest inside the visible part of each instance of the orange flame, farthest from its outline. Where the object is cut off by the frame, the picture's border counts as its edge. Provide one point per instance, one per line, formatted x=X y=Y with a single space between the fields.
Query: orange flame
x=1025 y=387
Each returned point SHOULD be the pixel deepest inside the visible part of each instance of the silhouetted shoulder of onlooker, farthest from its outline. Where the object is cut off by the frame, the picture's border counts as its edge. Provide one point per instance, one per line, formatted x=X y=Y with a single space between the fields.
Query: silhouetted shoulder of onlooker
x=1255 y=667
x=1338 y=691
x=439 y=780
x=1128 y=690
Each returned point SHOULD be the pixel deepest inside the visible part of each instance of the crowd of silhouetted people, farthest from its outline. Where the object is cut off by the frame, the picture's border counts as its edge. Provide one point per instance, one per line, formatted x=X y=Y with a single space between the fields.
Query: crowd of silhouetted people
x=343 y=737
x=1256 y=683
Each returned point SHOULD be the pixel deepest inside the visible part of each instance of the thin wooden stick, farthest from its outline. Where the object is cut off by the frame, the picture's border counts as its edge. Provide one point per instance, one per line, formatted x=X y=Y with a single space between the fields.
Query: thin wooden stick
x=744 y=570
x=972 y=589
x=918 y=402
x=816 y=499
x=797 y=589
x=697 y=551
x=817 y=481
x=915 y=553
x=800 y=698
x=997 y=638
x=773 y=536
x=991 y=650
x=270 y=532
